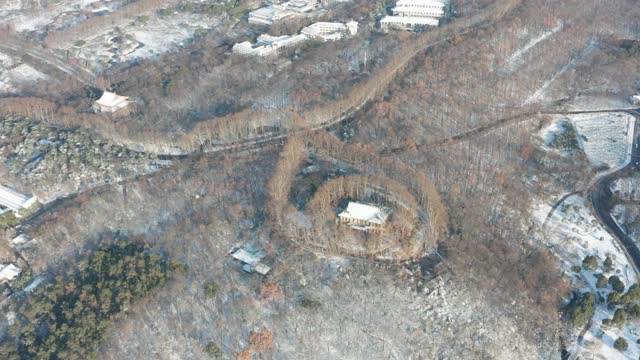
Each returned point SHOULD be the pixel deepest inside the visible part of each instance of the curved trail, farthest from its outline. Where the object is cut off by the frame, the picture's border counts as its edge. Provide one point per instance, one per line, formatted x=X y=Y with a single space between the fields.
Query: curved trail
x=484 y=129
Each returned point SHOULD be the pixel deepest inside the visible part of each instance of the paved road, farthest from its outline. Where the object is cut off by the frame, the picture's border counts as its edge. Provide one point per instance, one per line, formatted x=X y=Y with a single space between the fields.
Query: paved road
x=600 y=197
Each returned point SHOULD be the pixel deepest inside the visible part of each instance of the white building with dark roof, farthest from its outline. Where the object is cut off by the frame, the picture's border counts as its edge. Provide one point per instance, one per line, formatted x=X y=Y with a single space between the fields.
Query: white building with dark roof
x=330 y=31
x=267 y=45
x=111 y=102
x=410 y=14
x=11 y=200
x=363 y=216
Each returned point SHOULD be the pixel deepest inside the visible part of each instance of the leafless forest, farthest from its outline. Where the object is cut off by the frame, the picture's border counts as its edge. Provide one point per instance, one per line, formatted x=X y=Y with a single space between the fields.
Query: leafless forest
x=413 y=120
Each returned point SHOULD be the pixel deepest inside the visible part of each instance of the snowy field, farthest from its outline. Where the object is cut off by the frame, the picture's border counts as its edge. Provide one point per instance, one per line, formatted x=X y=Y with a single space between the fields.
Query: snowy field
x=142 y=37
x=28 y=16
x=605 y=138
x=139 y=40
x=573 y=233
x=14 y=73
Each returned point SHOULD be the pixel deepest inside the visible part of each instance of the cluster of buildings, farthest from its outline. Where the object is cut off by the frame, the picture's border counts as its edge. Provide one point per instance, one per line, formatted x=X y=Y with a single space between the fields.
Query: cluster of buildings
x=274 y=13
x=330 y=31
x=251 y=259
x=111 y=102
x=267 y=45
x=365 y=217
x=412 y=14
x=11 y=200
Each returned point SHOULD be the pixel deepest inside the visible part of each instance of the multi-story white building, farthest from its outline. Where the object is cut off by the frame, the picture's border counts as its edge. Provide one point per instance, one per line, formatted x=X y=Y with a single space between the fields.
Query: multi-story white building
x=330 y=31
x=267 y=45
x=409 y=14
x=11 y=200
x=275 y=12
x=427 y=4
x=409 y=11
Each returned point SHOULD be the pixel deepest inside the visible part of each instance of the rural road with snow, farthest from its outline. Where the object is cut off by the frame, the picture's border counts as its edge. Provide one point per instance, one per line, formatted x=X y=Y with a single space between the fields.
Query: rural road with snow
x=601 y=195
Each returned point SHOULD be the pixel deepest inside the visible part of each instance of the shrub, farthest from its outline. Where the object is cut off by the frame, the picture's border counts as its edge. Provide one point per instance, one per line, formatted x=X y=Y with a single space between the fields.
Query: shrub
x=602 y=281
x=633 y=310
x=211 y=289
x=582 y=308
x=576 y=268
x=8 y=220
x=621 y=344
x=213 y=350
x=271 y=291
x=614 y=298
x=608 y=263
x=310 y=303
x=616 y=284
x=590 y=263
x=619 y=317
x=632 y=294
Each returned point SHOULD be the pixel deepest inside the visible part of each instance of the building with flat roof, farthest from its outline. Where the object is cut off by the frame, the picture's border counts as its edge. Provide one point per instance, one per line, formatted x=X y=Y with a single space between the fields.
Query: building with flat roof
x=434 y=4
x=11 y=200
x=411 y=14
x=19 y=240
x=273 y=13
x=8 y=273
x=251 y=260
x=417 y=12
x=362 y=216
x=267 y=45
x=330 y=31
x=269 y=14
x=111 y=102
x=406 y=23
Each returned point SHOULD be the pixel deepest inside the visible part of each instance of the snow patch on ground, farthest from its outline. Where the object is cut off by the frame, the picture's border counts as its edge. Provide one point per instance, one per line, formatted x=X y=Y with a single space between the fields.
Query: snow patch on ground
x=605 y=138
x=517 y=58
x=140 y=40
x=549 y=133
x=538 y=95
x=572 y=233
x=550 y=141
x=14 y=73
x=28 y=16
